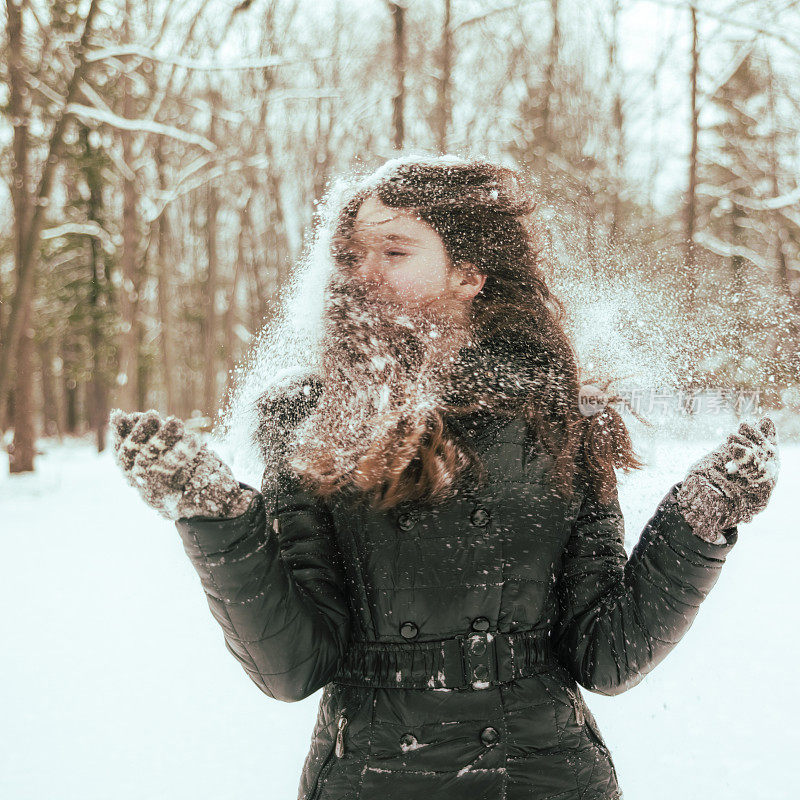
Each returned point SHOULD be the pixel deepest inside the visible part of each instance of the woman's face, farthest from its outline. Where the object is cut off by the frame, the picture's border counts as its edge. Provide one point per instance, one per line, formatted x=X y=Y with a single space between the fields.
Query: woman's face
x=404 y=259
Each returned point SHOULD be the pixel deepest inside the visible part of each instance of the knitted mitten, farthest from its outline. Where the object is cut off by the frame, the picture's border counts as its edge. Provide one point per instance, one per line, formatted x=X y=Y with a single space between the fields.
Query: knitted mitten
x=732 y=483
x=174 y=471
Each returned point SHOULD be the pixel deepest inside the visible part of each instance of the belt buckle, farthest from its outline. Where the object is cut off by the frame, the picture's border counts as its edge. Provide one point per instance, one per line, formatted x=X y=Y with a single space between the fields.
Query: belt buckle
x=479 y=659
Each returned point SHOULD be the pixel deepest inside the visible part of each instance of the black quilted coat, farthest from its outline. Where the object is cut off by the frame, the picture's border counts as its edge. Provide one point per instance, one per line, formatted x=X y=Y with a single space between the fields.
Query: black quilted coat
x=450 y=642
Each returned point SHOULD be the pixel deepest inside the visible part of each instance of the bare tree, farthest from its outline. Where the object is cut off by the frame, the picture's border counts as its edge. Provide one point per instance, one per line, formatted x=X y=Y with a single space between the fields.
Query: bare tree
x=398 y=13
x=21 y=456
x=212 y=275
x=617 y=123
x=165 y=297
x=690 y=213
x=128 y=371
x=443 y=110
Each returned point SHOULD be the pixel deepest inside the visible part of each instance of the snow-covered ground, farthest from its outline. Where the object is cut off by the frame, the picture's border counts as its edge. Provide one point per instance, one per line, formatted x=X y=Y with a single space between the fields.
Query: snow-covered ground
x=116 y=683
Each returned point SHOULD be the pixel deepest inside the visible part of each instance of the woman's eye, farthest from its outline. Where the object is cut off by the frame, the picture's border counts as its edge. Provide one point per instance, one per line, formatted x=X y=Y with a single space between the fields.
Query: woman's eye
x=395 y=253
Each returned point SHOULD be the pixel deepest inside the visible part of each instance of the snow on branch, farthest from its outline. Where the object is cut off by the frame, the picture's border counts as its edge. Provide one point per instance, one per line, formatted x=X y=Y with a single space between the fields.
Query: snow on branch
x=728 y=250
x=770 y=203
x=190 y=63
x=149 y=125
x=88 y=228
x=788 y=200
x=790 y=213
x=484 y=14
x=739 y=57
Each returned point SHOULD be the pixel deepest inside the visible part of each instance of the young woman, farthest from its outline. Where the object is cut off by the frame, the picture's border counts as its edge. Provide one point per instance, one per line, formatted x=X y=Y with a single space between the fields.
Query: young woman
x=438 y=541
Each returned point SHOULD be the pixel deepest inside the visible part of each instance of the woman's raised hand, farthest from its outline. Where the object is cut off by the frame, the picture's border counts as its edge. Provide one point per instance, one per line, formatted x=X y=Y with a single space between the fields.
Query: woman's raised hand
x=732 y=483
x=174 y=471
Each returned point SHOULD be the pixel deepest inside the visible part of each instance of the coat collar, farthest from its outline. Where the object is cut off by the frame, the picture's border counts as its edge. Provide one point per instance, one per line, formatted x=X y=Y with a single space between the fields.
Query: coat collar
x=496 y=372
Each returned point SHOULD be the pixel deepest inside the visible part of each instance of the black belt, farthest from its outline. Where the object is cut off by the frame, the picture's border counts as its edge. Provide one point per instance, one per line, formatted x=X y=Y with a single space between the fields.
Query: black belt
x=478 y=660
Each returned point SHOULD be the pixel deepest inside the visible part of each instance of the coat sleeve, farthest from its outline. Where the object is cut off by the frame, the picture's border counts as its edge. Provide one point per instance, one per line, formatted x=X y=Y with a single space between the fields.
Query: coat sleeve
x=619 y=617
x=274 y=582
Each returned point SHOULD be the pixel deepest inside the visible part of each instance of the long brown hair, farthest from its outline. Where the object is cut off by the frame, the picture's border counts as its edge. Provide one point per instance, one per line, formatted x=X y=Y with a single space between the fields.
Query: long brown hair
x=485 y=214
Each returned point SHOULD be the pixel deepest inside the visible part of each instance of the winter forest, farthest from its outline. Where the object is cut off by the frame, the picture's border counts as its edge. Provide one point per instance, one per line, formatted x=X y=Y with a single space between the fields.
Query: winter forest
x=163 y=164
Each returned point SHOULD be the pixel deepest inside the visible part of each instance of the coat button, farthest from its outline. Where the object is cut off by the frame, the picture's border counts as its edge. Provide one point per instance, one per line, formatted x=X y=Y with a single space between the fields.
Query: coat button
x=406 y=522
x=480 y=624
x=490 y=736
x=408 y=630
x=408 y=740
x=478 y=647
x=481 y=672
x=479 y=517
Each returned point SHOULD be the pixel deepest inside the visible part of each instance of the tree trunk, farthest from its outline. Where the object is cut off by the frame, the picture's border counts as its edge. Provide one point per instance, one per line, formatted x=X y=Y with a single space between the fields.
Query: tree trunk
x=71 y=405
x=51 y=416
x=618 y=124
x=210 y=317
x=547 y=137
x=398 y=13
x=691 y=193
x=98 y=407
x=22 y=452
x=443 y=109
x=128 y=371
x=259 y=292
x=98 y=396
x=164 y=290
x=230 y=312
x=23 y=446
x=738 y=221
